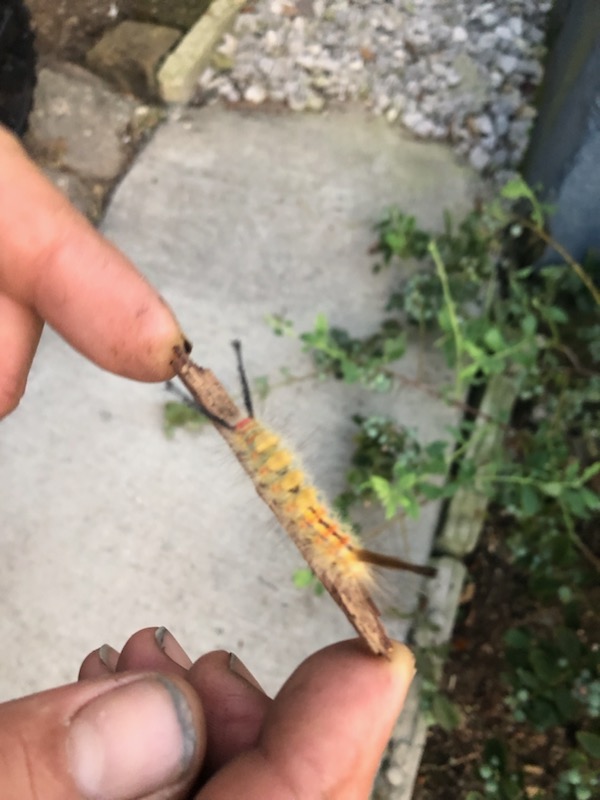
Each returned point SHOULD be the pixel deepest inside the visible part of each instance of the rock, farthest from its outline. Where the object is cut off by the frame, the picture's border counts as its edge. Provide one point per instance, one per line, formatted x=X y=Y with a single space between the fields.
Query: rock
x=128 y=56
x=516 y=26
x=417 y=123
x=177 y=13
x=504 y=32
x=84 y=120
x=484 y=125
x=459 y=34
x=478 y=158
x=255 y=93
x=471 y=80
x=314 y=102
x=179 y=74
x=507 y=63
x=221 y=62
x=84 y=198
x=395 y=776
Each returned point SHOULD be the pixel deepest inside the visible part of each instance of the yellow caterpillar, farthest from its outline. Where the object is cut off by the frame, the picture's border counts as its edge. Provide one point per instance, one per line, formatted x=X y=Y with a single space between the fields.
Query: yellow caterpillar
x=328 y=545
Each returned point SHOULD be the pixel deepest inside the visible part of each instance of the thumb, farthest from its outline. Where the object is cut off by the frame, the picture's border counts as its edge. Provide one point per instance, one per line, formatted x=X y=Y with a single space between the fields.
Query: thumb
x=325 y=732
x=135 y=735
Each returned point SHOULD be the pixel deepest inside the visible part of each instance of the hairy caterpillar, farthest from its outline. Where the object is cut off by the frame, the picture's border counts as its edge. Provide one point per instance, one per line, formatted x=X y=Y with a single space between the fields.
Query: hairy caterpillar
x=329 y=546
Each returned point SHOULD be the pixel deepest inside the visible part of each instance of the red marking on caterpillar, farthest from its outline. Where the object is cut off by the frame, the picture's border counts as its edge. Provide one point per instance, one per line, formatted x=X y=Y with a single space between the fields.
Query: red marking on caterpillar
x=328 y=545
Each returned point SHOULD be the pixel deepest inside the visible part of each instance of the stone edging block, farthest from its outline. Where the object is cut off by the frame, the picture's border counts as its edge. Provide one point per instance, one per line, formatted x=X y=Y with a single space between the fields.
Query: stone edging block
x=178 y=75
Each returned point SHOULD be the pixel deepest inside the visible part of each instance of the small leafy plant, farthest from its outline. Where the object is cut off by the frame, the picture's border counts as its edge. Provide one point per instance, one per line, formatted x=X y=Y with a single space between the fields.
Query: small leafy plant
x=494 y=314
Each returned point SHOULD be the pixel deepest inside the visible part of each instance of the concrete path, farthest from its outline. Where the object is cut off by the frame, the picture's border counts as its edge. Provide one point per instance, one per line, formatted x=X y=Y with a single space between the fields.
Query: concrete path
x=109 y=526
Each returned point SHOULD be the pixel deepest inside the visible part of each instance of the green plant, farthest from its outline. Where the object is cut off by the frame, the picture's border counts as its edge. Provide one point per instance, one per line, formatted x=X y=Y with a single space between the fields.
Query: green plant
x=581 y=780
x=541 y=329
x=179 y=414
x=554 y=678
x=389 y=465
x=437 y=707
x=499 y=781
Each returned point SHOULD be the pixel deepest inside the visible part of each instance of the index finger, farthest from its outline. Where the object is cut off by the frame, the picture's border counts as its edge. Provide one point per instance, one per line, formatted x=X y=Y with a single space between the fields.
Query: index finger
x=325 y=732
x=54 y=263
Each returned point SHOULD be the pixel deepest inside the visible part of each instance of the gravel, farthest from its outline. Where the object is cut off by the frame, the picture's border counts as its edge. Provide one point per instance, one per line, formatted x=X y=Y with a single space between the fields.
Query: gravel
x=461 y=71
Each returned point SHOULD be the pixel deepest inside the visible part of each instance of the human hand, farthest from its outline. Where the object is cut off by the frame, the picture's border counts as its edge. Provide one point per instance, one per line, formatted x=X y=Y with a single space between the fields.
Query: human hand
x=124 y=732
x=135 y=734
x=55 y=267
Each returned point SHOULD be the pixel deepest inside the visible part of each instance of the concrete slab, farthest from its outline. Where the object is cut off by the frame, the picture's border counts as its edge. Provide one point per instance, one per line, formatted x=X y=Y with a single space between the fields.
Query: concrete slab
x=108 y=525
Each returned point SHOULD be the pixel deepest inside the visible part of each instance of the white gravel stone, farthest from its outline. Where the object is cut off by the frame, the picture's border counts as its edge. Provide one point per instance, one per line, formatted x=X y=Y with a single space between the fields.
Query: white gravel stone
x=478 y=158
x=395 y=776
x=459 y=34
x=484 y=125
x=255 y=93
x=507 y=64
x=443 y=70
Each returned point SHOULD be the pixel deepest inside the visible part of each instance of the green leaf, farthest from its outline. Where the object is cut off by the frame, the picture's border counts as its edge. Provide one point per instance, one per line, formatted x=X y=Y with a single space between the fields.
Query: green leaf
x=591 y=499
x=350 y=372
x=574 y=500
x=590 y=742
x=515 y=189
x=543 y=714
x=569 y=643
x=262 y=386
x=413 y=509
x=556 y=314
x=544 y=665
x=567 y=705
x=321 y=324
x=530 y=500
x=552 y=488
x=517 y=638
x=280 y=325
x=494 y=339
x=445 y=713
x=393 y=349
x=590 y=471
x=303 y=577
x=495 y=752
x=383 y=490
x=529 y=325
x=180 y=415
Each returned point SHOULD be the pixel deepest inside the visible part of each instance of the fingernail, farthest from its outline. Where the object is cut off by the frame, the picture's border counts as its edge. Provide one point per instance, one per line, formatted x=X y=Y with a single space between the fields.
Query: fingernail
x=403 y=660
x=171 y=647
x=241 y=671
x=131 y=741
x=108 y=656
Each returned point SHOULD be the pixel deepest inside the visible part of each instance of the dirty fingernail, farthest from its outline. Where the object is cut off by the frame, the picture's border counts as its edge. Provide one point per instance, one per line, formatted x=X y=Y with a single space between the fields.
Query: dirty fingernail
x=108 y=656
x=171 y=647
x=403 y=660
x=131 y=741
x=239 y=668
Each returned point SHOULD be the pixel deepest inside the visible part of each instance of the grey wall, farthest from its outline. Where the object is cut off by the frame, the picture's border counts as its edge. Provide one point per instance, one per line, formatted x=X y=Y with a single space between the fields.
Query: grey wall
x=563 y=159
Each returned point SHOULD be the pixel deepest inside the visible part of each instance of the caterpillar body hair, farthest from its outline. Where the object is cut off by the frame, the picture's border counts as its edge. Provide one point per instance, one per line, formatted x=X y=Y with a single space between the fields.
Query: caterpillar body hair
x=329 y=546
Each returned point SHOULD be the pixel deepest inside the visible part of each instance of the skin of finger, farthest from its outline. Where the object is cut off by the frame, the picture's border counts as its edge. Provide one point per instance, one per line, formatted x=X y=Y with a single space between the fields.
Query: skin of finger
x=33 y=734
x=326 y=731
x=20 y=331
x=53 y=260
x=141 y=651
x=234 y=707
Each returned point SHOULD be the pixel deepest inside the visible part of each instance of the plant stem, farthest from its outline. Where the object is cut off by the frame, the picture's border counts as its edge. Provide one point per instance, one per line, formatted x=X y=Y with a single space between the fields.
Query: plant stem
x=454 y=323
x=575 y=266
